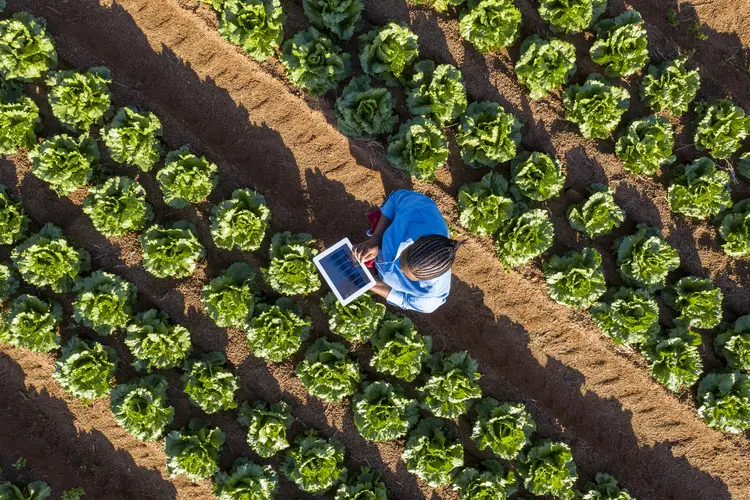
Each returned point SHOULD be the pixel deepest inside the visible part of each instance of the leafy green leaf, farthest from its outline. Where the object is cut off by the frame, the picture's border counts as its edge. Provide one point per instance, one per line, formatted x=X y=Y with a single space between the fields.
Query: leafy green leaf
x=645 y=258
x=65 y=163
x=37 y=490
x=488 y=135
x=277 y=332
x=230 y=297
x=9 y=282
x=186 y=178
x=419 y=148
x=209 y=384
x=246 y=480
x=397 y=348
x=357 y=321
x=194 y=451
x=735 y=230
x=19 y=122
x=80 y=100
x=626 y=315
x=575 y=279
x=254 y=25
x=598 y=215
x=155 y=342
x=670 y=86
x=132 y=138
x=366 y=485
x=104 y=302
x=674 y=358
x=343 y=18
x=85 y=369
x=436 y=92
x=452 y=384
x=240 y=222
x=26 y=50
x=439 y=5
x=621 y=44
x=698 y=300
x=720 y=127
x=605 y=488
x=524 y=237
x=725 y=401
x=488 y=482
x=47 y=258
x=432 y=453
x=386 y=52
x=267 y=426
x=743 y=166
x=699 y=189
x=537 y=176
x=505 y=429
x=328 y=372
x=364 y=111
x=171 y=251
x=548 y=469
x=13 y=219
x=382 y=412
x=646 y=145
x=734 y=344
x=142 y=408
x=118 y=207
x=571 y=16
x=314 y=464
x=545 y=65
x=32 y=323
x=313 y=62
x=596 y=107
x=73 y=494
x=490 y=25
x=291 y=270
x=484 y=205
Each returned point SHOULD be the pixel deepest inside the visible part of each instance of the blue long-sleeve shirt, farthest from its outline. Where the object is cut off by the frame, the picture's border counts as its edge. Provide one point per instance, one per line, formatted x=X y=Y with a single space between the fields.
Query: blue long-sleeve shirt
x=412 y=215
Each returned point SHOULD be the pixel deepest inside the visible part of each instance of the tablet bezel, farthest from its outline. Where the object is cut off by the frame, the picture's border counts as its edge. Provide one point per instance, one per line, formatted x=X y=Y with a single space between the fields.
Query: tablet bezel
x=321 y=270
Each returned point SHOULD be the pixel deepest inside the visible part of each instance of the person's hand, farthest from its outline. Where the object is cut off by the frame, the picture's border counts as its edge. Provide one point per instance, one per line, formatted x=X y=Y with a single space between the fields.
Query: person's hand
x=366 y=251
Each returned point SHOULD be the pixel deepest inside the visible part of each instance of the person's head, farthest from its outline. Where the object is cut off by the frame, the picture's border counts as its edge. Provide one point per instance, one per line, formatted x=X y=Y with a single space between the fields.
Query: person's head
x=429 y=257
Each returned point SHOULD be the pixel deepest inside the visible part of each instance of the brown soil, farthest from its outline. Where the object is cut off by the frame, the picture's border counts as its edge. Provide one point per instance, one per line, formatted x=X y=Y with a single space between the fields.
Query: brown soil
x=167 y=57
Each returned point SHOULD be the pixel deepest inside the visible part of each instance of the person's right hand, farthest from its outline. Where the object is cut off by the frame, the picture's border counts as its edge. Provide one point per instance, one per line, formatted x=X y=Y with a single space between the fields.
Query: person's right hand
x=366 y=250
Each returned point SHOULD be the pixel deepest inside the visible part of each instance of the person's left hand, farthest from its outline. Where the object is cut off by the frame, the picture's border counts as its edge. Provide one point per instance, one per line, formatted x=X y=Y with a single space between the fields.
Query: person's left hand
x=366 y=250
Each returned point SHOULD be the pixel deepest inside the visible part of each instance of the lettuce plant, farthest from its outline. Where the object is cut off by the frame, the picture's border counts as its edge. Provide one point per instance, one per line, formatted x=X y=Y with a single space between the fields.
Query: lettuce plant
x=698 y=300
x=328 y=372
x=343 y=18
x=142 y=408
x=724 y=400
x=537 y=176
x=13 y=219
x=439 y=5
x=291 y=270
x=314 y=464
x=626 y=315
x=9 y=282
x=314 y=63
x=548 y=469
x=80 y=100
x=194 y=450
x=364 y=110
x=743 y=166
x=505 y=429
x=386 y=52
x=437 y=92
x=596 y=107
x=382 y=412
x=254 y=25
x=419 y=149
x=171 y=251
x=104 y=302
x=646 y=145
x=246 y=480
x=155 y=342
x=720 y=128
x=575 y=279
x=674 y=358
x=277 y=332
x=26 y=50
x=598 y=215
x=398 y=350
x=240 y=222
x=670 y=86
x=65 y=163
x=118 y=206
x=267 y=426
x=699 y=189
x=367 y=484
x=432 y=453
x=488 y=135
x=645 y=258
x=489 y=481
x=47 y=258
x=32 y=323
x=735 y=230
x=545 y=65
x=85 y=369
x=186 y=178
x=571 y=16
x=485 y=206
x=230 y=298
x=490 y=25
x=355 y=322
x=733 y=343
x=209 y=384
x=36 y=490
x=132 y=138
x=452 y=384
x=621 y=44
x=19 y=122
x=605 y=488
x=524 y=237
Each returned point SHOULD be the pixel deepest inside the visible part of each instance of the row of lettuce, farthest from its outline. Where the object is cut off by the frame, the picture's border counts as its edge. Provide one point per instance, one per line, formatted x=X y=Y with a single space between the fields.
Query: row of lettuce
x=36 y=490
x=104 y=304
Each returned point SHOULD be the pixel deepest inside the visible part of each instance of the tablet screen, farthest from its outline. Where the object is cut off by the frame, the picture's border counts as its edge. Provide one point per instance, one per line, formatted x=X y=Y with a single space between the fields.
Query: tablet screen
x=345 y=273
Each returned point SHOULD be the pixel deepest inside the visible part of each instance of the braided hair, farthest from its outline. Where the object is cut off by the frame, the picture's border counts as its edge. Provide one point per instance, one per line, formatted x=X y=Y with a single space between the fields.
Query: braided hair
x=431 y=256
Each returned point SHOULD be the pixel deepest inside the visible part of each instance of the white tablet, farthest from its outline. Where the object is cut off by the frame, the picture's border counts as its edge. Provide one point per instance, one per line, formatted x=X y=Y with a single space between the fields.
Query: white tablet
x=347 y=277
